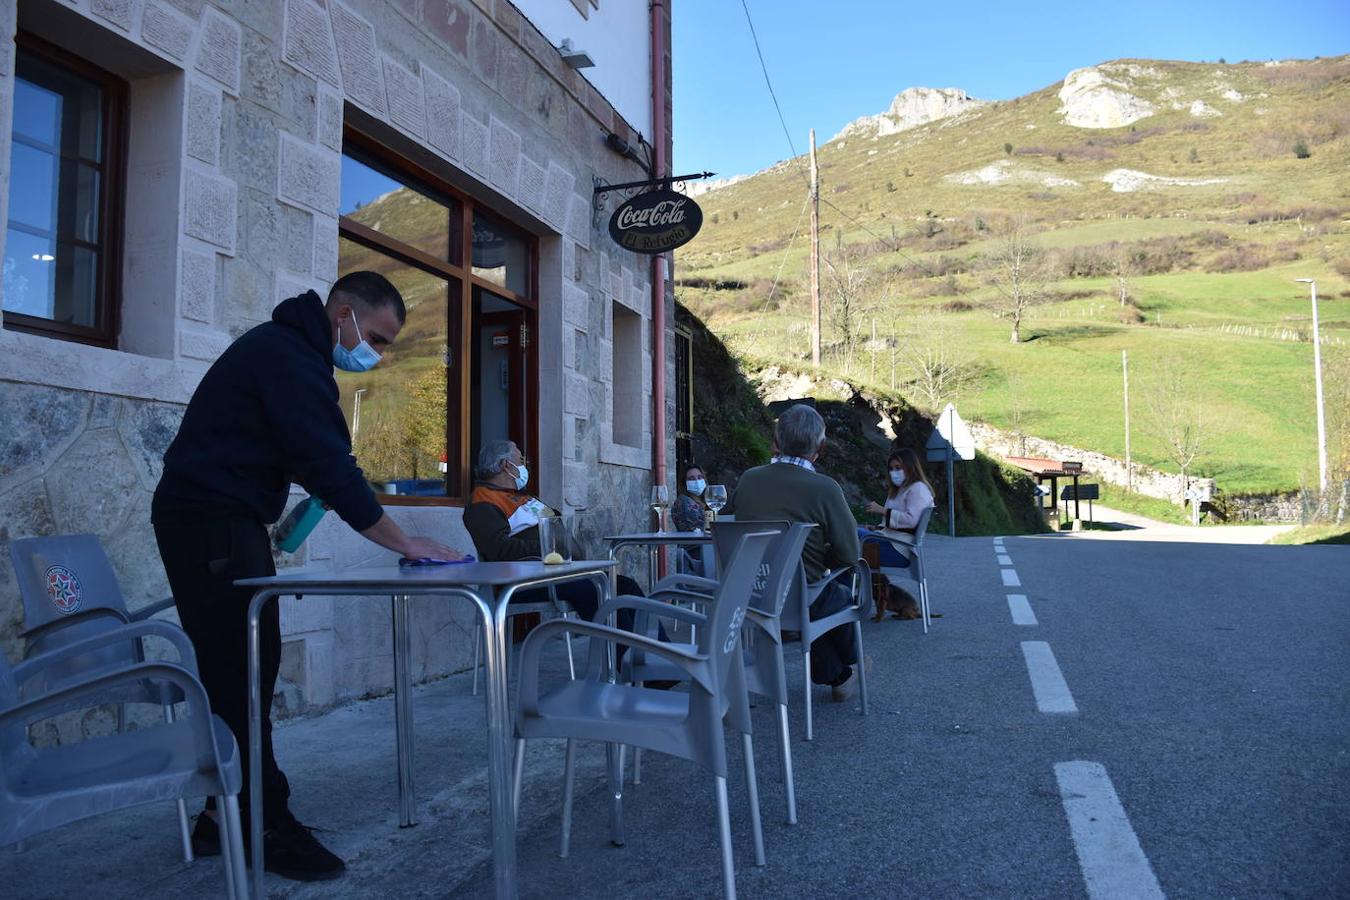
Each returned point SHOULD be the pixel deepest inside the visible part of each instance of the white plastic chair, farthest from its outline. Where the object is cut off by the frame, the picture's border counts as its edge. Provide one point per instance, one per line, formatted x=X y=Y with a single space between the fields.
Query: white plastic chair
x=196 y=756
x=69 y=593
x=912 y=547
x=687 y=725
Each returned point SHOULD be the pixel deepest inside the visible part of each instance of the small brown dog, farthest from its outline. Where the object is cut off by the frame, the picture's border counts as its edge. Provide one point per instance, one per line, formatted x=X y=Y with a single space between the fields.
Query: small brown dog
x=886 y=595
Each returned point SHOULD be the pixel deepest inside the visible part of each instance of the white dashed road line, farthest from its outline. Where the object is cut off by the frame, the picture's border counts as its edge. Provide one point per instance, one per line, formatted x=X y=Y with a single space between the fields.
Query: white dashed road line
x=1021 y=610
x=1004 y=559
x=1047 y=682
x=1010 y=578
x=1113 y=863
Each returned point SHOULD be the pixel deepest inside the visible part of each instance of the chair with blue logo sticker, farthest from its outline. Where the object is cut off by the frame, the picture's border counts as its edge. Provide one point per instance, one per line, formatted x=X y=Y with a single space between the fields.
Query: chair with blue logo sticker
x=42 y=788
x=70 y=593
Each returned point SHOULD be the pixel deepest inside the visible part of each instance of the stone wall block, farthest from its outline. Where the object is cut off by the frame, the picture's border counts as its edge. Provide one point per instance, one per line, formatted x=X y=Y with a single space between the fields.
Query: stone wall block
x=358 y=59
x=576 y=398
x=504 y=154
x=576 y=306
x=448 y=21
x=483 y=50
x=289 y=94
x=511 y=82
x=307 y=41
x=197 y=285
x=203 y=122
x=443 y=113
x=121 y=13
x=167 y=29
x=203 y=345
x=329 y=104
x=325 y=248
x=473 y=144
x=250 y=145
x=557 y=189
x=146 y=432
x=135 y=557
x=105 y=411
x=530 y=185
x=210 y=208
x=308 y=176
x=403 y=90
x=569 y=259
x=101 y=505
x=219 y=44
x=261 y=222
x=298 y=248
x=36 y=425
x=579 y=220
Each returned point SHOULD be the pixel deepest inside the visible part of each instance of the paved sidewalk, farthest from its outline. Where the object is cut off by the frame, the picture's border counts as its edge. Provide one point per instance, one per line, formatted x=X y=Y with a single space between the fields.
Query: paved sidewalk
x=1208 y=683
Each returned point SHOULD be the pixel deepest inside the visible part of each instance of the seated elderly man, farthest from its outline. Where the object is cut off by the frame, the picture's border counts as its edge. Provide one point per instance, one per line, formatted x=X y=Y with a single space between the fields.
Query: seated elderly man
x=789 y=488
x=503 y=521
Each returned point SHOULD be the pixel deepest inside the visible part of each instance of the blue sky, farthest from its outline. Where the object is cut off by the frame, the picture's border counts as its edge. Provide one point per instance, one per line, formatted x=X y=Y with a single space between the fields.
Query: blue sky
x=834 y=61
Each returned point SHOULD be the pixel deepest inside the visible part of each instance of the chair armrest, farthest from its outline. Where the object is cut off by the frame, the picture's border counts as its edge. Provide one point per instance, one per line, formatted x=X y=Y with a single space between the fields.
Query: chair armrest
x=91 y=691
x=170 y=632
x=769 y=625
x=686 y=582
x=647 y=604
x=146 y=612
x=678 y=594
x=858 y=568
x=696 y=664
x=898 y=538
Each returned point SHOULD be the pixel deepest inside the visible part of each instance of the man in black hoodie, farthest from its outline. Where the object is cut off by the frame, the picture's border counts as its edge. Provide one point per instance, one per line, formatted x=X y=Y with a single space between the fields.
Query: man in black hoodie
x=265 y=415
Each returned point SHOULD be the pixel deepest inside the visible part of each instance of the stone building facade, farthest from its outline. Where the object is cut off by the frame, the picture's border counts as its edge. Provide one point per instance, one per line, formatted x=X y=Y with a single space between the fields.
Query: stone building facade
x=238 y=122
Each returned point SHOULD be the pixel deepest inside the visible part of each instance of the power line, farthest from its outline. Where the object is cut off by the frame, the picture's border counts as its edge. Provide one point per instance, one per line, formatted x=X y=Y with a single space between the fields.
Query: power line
x=786 y=250
x=787 y=133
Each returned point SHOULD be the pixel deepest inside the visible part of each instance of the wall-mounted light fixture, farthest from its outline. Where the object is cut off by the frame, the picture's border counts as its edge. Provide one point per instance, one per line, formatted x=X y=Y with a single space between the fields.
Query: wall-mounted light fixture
x=577 y=59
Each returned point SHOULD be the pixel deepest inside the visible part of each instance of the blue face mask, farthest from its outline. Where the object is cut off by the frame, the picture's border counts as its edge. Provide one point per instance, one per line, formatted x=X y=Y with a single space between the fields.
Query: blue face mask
x=696 y=486
x=522 y=477
x=362 y=358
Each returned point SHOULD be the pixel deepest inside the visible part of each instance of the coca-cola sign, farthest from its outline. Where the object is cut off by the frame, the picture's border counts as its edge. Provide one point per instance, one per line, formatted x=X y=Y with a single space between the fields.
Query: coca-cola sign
x=655 y=222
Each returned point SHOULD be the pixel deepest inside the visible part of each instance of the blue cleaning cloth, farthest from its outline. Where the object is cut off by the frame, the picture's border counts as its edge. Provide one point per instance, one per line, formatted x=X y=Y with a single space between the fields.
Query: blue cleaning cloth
x=428 y=561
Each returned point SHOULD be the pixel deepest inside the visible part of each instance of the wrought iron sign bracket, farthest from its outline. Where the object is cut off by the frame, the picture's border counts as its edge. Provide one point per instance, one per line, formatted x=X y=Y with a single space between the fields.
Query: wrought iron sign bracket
x=601 y=188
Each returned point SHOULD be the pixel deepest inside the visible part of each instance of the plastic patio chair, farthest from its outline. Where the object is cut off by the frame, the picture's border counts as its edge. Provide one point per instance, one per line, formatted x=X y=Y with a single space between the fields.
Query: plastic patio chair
x=797 y=617
x=687 y=725
x=765 y=669
x=561 y=609
x=912 y=547
x=196 y=756
x=70 y=593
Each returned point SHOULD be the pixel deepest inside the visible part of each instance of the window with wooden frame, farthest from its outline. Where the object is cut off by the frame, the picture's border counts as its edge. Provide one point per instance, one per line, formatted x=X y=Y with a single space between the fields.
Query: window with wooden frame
x=62 y=246
x=464 y=369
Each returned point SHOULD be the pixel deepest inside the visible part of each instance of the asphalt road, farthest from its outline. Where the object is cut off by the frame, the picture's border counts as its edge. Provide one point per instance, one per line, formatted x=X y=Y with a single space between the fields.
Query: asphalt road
x=1208 y=755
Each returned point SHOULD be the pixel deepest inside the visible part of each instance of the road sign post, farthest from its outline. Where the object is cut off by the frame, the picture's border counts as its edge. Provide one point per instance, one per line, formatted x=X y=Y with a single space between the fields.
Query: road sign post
x=950 y=441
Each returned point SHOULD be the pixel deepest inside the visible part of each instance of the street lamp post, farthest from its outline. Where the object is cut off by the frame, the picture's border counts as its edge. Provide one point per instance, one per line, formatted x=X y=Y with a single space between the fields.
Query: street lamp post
x=1317 y=373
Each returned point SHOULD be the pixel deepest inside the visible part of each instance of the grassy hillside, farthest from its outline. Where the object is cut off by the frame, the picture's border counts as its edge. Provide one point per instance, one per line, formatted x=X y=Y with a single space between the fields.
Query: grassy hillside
x=1208 y=272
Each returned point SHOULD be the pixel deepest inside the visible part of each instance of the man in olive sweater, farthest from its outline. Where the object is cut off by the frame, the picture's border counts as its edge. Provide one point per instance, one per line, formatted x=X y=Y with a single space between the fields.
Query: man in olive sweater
x=789 y=488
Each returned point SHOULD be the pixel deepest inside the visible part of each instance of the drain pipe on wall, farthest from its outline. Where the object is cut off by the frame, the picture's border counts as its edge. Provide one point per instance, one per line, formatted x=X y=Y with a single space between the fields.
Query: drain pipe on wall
x=660 y=168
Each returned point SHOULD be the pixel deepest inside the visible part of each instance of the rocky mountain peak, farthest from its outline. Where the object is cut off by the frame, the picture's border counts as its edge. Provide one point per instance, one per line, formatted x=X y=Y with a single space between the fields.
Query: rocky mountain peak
x=910 y=108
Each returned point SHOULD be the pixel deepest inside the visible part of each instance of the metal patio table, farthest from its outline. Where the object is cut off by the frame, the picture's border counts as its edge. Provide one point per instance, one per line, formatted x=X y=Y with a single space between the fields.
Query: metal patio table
x=489 y=587
x=653 y=540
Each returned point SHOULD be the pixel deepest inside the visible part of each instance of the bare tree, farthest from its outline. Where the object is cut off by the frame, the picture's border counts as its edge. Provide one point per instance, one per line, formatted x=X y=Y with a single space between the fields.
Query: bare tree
x=1019 y=270
x=848 y=283
x=1122 y=269
x=935 y=361
x=1017 y=411
x=1177 y=414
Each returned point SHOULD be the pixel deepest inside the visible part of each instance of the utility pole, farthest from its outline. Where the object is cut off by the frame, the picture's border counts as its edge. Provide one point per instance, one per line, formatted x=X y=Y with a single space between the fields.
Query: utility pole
x=815 y=255
x=1321 y=416
x=1125 y=371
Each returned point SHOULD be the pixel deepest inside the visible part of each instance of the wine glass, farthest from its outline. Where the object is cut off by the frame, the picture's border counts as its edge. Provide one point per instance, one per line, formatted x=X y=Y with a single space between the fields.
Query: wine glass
x=716 y=497
x=660 y=500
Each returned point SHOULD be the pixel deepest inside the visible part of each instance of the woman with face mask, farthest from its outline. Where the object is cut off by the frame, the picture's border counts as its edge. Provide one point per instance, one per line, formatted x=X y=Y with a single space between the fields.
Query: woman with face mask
x=687 y=511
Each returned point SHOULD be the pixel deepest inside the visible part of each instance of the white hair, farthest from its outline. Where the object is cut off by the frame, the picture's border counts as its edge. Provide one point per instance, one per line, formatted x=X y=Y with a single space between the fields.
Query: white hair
x=491 y=456
x=800 y=431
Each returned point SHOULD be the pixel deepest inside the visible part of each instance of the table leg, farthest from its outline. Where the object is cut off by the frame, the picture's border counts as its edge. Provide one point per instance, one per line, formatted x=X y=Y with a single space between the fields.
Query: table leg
x=403 y=713
x=500 y=788
x=255 y=802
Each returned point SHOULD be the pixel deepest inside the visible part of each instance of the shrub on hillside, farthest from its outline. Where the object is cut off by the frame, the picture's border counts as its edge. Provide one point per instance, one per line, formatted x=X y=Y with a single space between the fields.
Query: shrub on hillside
x=1301 y=150
x=1130 y=315
x=957 y=306
x=1342 y=266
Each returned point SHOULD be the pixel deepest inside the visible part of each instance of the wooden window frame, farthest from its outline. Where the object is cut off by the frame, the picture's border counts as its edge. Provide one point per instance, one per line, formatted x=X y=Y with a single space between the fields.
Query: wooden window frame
x=112 y=195
x=371 y=152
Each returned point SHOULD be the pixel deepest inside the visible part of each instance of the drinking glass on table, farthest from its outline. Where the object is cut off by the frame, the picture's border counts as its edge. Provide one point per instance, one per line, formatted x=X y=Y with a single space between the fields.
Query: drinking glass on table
x=716 y=498
x=660 y=501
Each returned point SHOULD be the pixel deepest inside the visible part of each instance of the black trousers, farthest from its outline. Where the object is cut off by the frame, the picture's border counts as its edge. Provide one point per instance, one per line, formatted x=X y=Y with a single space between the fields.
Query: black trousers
x=202 y=558
x=834 y=651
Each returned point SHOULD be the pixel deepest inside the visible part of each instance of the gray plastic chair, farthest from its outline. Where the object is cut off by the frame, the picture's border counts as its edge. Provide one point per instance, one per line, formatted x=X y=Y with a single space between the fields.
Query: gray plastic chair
x=552 y=605
x=687 y=725
x=912 y=548
x=765 y=670
x=70 y=593
x=797 y=617
x=196 y=756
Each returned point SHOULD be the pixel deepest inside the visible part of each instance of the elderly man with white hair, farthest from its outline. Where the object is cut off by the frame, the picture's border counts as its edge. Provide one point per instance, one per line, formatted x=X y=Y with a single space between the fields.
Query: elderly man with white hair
x=789 y=488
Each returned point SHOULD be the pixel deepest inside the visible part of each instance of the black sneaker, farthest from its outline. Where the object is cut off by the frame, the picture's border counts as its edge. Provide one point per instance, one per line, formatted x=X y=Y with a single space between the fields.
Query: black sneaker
x=289 y=849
